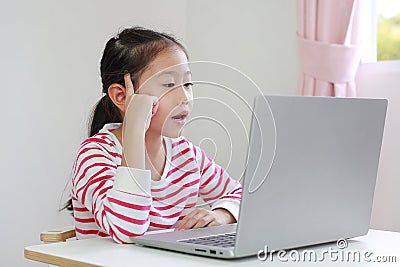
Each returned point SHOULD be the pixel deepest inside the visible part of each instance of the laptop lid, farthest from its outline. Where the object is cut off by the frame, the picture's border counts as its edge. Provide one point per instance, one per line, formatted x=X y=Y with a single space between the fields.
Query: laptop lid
x=312 y=166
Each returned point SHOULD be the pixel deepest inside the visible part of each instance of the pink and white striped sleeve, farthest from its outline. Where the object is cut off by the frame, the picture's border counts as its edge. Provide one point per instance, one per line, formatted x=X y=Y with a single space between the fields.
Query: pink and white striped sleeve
x=217 y=188
x=118 y=197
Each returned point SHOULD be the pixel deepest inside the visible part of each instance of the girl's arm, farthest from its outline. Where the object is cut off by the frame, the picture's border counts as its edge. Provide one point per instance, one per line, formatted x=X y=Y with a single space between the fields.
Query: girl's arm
x=139 y=109
x=119 y=204
x=217 y=189
x=118 y=196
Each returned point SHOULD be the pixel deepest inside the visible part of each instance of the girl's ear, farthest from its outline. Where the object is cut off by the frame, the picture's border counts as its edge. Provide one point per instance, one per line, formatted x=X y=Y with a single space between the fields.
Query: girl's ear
x=117 y=95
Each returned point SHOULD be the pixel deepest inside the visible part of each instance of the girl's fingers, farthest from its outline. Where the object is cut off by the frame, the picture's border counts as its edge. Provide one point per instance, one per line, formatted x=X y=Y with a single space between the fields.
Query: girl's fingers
x=213 y=223
x=184 y=223
x=154 y=110
x=155 y=106
x=191 y=222
x=128 y=84
x=155 y=100
x=206 y=220
x=196 y=219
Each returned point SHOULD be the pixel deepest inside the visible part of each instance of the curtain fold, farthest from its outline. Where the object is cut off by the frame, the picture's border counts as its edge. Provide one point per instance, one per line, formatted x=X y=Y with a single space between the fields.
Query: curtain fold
x=328 y=42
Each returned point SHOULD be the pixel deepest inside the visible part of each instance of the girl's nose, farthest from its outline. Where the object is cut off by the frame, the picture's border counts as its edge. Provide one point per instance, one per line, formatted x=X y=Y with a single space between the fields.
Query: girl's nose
x=185 y=95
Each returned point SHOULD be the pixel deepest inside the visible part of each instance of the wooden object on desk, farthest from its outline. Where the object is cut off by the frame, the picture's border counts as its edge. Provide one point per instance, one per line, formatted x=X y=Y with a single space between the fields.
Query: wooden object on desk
x=57 y=235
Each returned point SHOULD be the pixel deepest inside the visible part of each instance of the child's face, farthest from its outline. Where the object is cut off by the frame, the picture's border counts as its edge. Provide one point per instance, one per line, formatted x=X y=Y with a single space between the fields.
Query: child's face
x=168 y=77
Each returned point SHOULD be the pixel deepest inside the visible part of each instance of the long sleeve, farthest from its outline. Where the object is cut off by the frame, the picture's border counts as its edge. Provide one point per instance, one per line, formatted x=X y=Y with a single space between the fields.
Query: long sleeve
x=121 y=202
x=117 y=197
x=216 y=186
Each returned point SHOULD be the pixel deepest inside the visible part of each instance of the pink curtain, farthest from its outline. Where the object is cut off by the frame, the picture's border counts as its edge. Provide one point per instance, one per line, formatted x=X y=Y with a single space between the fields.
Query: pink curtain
x=328 y=40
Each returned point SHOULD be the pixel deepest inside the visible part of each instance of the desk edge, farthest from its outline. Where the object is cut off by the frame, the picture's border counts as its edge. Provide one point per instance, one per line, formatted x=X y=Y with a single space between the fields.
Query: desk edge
x=55 y=260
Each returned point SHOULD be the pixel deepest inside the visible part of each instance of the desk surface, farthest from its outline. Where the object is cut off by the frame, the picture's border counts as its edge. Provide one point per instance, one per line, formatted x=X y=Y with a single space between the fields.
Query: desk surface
x=379 y=246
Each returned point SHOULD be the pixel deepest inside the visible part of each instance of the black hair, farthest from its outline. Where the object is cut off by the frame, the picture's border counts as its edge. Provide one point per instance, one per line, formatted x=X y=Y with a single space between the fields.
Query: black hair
x=131 y=50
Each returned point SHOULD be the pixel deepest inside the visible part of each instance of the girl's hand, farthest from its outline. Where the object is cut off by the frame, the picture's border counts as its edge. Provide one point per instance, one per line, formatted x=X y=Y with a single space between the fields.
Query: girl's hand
x=139 y=108
x=202 y=217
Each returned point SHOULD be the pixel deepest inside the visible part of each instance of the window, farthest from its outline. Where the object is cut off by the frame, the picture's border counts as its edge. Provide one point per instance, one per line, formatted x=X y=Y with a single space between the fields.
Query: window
x=388 y=29
x=381 y=33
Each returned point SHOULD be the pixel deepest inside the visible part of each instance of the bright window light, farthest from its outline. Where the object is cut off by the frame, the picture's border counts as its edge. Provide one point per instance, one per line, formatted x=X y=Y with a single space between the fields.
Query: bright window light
x=388 y=30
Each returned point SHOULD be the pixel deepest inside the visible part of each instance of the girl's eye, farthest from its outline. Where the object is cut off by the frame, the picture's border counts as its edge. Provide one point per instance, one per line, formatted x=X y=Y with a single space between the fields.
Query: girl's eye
x=169 y=85
x=188 y=84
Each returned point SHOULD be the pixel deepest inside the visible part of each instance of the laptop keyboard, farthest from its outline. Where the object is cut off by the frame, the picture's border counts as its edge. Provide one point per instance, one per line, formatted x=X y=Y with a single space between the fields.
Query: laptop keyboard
x=222 y=240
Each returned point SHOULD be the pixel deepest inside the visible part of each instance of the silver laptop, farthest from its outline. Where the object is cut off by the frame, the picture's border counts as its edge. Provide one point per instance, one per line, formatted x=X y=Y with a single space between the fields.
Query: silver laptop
x=310 y=178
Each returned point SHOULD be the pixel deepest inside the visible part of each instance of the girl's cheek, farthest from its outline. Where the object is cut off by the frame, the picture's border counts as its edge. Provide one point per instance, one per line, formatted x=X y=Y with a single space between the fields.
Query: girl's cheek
x=161 y=113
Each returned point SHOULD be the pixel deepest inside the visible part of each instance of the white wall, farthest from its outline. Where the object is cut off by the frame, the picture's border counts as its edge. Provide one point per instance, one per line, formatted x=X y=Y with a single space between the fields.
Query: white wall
x=50 y=53
x=258 y=39
x=382 y=80
x=255 y=36
x=49 y=68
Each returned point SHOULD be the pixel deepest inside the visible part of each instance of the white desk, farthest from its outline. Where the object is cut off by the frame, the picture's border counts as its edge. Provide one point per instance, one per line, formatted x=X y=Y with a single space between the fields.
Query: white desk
x=104 y=252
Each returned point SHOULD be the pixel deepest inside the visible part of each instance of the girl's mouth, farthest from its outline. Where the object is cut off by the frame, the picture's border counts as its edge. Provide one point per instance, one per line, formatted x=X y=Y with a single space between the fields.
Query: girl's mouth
x=180 y=118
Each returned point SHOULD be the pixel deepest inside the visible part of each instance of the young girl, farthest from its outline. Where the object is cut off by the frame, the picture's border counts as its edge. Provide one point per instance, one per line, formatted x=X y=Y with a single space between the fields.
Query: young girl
x=136 y=172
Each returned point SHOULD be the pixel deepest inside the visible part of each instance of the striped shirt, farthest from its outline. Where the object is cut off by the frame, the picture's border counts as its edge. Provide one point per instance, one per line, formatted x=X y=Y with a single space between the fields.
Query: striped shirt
x=122 y=202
